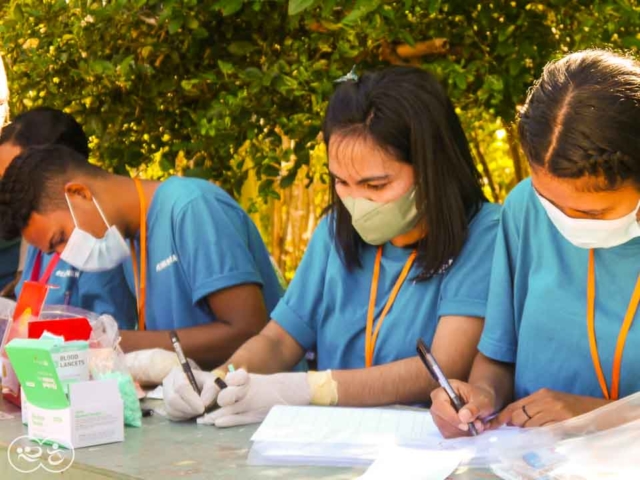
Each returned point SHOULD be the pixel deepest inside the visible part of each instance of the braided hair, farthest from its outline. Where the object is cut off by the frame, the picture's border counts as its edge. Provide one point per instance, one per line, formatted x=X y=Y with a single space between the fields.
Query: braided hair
x=581 y=118
x=34 y=182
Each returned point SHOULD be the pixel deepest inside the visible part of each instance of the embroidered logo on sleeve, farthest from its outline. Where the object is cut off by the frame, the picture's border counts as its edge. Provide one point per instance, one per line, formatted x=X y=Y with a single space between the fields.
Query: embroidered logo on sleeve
x=166 y=263
x=67 y=274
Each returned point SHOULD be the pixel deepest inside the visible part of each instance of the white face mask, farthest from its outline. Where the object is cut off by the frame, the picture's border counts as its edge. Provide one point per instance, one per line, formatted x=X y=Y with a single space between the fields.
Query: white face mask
x=90 y=254
x=586 y=233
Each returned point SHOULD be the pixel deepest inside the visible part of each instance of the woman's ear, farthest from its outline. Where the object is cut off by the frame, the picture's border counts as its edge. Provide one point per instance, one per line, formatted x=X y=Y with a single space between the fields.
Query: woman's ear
x=78 y=191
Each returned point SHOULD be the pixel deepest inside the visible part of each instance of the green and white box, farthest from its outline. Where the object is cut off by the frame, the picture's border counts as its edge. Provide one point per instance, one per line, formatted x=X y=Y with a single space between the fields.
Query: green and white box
x=72 y=363
x=91 y=413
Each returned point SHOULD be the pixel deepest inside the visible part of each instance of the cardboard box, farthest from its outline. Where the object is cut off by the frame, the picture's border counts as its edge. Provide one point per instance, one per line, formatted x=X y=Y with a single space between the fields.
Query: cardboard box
x=71 y=360
x=90 y=414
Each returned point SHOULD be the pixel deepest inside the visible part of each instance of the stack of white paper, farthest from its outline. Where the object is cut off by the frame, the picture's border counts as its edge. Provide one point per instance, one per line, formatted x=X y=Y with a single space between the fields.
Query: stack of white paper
x=348 y=436
x=337 y=436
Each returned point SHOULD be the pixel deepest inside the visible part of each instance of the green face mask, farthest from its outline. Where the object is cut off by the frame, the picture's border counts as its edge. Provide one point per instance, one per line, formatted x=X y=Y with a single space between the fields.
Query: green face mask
x=377 y=223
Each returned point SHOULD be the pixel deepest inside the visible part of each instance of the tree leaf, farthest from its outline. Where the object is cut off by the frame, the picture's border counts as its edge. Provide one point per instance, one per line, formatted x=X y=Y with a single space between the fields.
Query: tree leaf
x=241 y=48
x=175 y=24
x=360 y=9
x=229 y=7
x=299 y=6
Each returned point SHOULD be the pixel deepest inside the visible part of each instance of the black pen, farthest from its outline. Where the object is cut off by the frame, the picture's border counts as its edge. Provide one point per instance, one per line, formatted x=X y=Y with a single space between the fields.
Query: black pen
x=434 y=369
x=186 y=367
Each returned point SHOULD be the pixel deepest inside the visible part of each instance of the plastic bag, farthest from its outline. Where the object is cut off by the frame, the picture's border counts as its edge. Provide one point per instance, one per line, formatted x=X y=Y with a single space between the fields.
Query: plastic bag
x=106 y=358
x=150 y=367
x=604 y=443
x=6 y=314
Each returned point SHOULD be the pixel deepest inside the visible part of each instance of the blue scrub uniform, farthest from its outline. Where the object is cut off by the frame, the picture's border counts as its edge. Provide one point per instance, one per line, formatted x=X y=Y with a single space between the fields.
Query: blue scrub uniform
x=536 y=314
x=103 y=292
x=325 y=307
x=199 y=241
x=9 y=258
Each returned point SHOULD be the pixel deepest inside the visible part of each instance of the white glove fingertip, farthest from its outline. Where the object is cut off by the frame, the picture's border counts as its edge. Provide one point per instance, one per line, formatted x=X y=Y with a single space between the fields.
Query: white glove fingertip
x=237 y=378
x=237 y=420
x=231 y=395
x=204 y=420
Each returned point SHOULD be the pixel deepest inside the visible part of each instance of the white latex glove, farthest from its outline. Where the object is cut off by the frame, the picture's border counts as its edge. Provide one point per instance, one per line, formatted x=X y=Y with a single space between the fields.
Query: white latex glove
x=181 y=401
x=150 y=367
x=249 y=397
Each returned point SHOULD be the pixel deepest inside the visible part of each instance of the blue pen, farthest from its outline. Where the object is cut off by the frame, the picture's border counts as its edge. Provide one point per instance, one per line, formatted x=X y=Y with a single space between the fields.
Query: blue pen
x=434 y=369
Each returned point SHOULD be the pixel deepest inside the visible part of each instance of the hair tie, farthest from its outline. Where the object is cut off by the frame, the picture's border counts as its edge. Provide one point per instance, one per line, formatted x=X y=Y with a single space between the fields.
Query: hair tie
x=349 y=77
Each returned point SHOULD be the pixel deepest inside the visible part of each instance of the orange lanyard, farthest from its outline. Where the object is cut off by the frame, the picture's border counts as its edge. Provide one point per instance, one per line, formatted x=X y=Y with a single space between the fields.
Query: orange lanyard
x=622 y=336
x=371 y=335
x=140 y=277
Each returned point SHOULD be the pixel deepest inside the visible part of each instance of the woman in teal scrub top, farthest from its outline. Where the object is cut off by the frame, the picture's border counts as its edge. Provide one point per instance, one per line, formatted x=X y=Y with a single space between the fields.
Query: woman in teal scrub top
x=559 y=338
x=404 y=253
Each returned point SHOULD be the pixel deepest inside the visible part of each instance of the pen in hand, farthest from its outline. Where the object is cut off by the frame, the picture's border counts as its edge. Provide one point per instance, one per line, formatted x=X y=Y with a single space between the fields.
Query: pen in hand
x=434 y=369
x=186 y=367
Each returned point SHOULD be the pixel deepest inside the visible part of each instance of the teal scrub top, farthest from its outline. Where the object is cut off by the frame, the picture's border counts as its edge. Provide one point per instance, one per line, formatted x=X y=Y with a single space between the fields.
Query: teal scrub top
x=102 y=292
x=325 y=306
x=536 y=313
x=199 y=241
x=9 y=259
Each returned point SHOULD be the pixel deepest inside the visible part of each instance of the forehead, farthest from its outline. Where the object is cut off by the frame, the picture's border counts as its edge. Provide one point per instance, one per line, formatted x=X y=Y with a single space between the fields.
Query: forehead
x=579 y=194
x=357 y=156
x=8 y=151
x=42 y=227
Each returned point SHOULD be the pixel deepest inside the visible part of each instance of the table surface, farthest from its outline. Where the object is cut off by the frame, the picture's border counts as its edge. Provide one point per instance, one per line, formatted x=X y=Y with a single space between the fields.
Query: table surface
x=163 y=449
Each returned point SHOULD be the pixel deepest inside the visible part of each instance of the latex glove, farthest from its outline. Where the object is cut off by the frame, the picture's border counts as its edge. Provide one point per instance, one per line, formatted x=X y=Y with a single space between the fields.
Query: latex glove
x=249 y=397
x=150 y=367
x=181 y=401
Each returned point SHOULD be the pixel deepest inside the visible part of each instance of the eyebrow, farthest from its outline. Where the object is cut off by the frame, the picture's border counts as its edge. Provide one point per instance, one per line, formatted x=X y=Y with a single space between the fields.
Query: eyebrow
x=586 y=212
x=592 y=212
x=374 y=178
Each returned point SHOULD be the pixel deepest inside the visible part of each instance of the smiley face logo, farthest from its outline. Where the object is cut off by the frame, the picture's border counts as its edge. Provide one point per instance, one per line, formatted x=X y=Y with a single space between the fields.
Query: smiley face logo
x=27 y=455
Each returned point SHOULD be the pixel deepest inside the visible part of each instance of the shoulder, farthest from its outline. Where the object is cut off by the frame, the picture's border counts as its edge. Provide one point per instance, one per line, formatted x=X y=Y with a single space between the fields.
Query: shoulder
x=177 y=194
x=323 y=234
x=485 y=223
x=521 y=196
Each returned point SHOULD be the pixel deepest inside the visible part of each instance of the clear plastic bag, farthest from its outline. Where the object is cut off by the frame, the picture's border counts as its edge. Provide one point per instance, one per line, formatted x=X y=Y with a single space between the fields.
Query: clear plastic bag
x=604 y=443
x=6 y=314
x=106 y=358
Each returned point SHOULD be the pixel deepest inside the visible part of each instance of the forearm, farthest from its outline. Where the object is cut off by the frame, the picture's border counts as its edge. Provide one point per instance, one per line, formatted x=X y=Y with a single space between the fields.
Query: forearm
x=404 y=381
x=496 y=376
x=208 y=345
x=273 y=350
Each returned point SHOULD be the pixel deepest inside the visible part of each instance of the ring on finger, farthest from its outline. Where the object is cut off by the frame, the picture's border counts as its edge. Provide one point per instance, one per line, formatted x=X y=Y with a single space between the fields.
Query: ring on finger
x=524 y=409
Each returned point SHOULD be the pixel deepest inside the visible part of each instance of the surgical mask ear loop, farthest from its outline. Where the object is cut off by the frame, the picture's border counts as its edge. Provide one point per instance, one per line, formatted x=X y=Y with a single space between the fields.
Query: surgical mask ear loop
x=73 y=215
x=104 y=219
x=95 y=202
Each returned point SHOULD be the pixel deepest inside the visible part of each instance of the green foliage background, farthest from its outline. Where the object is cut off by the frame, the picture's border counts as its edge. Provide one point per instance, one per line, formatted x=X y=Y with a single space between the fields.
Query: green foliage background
x=234 y=90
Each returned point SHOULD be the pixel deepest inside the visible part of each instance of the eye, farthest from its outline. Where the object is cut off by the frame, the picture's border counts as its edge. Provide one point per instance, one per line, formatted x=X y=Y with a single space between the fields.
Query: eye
x=338 y=181
x=376 y=187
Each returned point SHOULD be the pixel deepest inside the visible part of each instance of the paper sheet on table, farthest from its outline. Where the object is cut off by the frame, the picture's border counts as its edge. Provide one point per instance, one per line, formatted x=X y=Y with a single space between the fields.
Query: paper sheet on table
x=352 y=436
x=413 y=464
x=156 y=394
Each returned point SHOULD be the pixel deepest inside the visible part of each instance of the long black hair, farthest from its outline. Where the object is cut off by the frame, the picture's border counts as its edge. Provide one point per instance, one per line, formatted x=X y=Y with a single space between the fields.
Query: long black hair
x=582 y=118
x=406 y=112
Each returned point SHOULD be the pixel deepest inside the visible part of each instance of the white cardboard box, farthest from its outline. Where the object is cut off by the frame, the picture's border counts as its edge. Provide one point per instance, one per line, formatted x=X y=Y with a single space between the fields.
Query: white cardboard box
x=94 y=417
